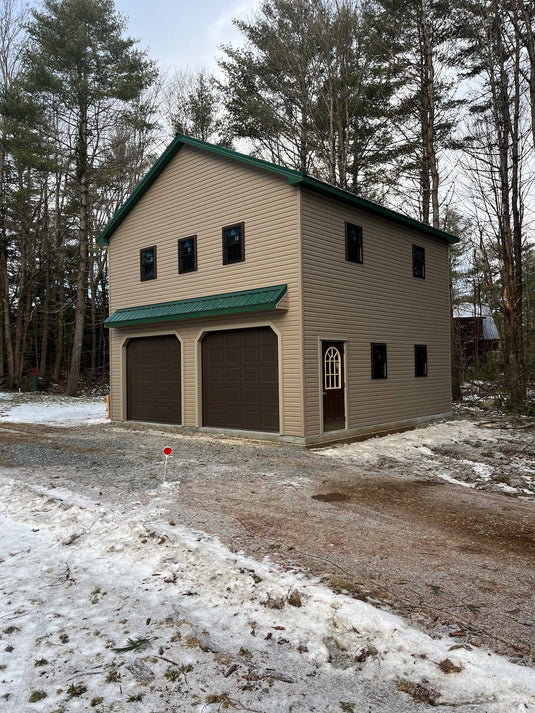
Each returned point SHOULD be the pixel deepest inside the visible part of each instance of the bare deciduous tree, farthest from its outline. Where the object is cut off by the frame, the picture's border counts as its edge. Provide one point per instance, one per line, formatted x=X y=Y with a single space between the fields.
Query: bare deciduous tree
x=498 y=150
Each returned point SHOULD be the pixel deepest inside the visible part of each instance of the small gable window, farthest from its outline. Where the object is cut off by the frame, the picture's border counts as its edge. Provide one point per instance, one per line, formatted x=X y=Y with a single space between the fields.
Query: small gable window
x=147 y=263
x=354 y=243
x=418 y=261
x=233 y=243
x=187 y=254
x=379 y=361
x=420 y=360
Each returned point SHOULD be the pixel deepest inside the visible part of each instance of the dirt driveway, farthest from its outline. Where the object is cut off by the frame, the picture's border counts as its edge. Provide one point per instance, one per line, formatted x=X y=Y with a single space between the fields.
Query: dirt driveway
x=450 y=559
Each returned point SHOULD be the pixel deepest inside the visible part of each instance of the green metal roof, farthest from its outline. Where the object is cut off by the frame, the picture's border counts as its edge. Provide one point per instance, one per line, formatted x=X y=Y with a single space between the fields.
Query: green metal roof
x=258 y=300
x=295 y=178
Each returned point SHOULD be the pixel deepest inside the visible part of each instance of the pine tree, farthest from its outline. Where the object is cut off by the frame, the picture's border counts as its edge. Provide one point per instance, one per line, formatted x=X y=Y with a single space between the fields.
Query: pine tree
x=192 y=106
x=81 y=66
x=312 y=88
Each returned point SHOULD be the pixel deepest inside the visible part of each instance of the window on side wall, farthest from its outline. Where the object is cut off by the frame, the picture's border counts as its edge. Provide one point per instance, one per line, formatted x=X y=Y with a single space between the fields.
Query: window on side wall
x=233 y=243
x=379 y=361
x=147 y=263
x=420 y=360
x=418 y=261
x=187 y=254
x=354 y=251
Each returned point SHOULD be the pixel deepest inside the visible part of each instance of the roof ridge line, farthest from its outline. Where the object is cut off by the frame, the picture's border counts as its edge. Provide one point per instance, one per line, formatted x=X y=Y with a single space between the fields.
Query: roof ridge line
x=295 y=178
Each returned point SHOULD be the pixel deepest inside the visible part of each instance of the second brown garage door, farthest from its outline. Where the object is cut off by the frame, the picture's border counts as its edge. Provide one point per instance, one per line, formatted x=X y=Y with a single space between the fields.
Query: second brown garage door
x=241 y=379
x=153 y=379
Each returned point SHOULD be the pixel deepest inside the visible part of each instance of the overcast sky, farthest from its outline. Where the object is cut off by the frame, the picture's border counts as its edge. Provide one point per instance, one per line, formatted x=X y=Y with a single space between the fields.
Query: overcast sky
x=184 y=34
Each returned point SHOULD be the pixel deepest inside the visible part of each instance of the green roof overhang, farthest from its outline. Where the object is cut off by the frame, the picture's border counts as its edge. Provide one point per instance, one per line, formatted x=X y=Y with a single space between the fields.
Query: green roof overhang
x=294 y=178
x=355 y=201
x=259 y=300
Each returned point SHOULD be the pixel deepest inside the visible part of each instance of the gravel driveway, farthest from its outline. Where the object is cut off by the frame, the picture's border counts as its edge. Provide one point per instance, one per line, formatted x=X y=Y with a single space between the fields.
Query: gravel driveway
x=450 y=559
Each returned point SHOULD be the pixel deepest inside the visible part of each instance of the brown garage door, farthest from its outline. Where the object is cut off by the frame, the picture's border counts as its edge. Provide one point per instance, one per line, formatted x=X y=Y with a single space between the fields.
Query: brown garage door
x=153 y=379
x=241 y=379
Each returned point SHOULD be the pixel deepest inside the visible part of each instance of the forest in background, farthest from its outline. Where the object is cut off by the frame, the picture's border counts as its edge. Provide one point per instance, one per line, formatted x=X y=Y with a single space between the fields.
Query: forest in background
x=425 y=106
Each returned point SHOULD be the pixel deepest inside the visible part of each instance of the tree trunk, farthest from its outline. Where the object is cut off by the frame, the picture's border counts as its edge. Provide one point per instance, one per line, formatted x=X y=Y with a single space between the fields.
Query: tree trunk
x=94 y=335
x=507 y=101
x=45 y=268
x=502 y=68
x=81 y=283
x=4 y=282
x=429 y=167
x=60 y=327
x=28 y=238
x=522 y=18
x=4 y=287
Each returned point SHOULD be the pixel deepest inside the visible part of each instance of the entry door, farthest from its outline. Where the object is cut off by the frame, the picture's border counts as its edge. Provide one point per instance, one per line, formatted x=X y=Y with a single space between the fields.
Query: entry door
x=334 y=417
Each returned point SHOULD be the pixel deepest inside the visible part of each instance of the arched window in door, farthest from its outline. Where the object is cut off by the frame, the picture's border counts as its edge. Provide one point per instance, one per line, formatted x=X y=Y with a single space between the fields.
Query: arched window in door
x=332 y=369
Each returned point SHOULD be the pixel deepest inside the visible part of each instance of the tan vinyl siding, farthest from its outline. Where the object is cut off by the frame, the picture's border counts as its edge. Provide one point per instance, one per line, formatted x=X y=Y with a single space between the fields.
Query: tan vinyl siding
x=377 y=301
x=198 y=194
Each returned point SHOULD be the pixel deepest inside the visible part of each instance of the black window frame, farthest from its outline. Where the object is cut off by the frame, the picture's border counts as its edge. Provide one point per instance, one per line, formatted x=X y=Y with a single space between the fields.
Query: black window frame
x=418 y=262
x=182 y=258
x=226 y=246
x=354 y=253
x=143 y=276
x=420 y=360
x=379 y=366
x=467 y=329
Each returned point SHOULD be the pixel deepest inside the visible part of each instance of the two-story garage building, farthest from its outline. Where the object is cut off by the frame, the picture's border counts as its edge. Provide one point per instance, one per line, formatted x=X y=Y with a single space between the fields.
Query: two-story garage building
x=249 y=297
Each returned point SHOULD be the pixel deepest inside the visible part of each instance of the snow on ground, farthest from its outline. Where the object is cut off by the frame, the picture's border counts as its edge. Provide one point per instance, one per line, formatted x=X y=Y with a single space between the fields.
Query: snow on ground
x=408 y=445
x=55 y=410
x=122 y=610
x=440 y=449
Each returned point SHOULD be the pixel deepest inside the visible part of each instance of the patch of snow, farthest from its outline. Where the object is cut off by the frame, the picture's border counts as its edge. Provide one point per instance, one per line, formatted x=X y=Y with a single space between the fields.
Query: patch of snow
x=507 y=488
x=405 y=446
x=421 y=448
x=52 y=410
x=444 y=475
x=483 y=471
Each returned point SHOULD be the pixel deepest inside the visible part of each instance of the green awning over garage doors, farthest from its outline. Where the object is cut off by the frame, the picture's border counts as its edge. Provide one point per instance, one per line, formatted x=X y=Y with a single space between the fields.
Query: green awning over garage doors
x=258 y=300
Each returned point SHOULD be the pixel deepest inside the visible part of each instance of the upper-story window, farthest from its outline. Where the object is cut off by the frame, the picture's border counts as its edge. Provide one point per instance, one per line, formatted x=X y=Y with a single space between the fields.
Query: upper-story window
x=420 y=360
x=147 y=263
x=354 y=243
x=379 y=361
x=233 y=243
x=187 y=254
x=418 y=261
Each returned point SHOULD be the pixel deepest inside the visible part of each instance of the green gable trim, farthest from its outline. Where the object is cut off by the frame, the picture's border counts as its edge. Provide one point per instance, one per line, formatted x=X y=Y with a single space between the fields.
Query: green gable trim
x=363 y=204
x=166 y=157
x=295 y=178
x=259 y=300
